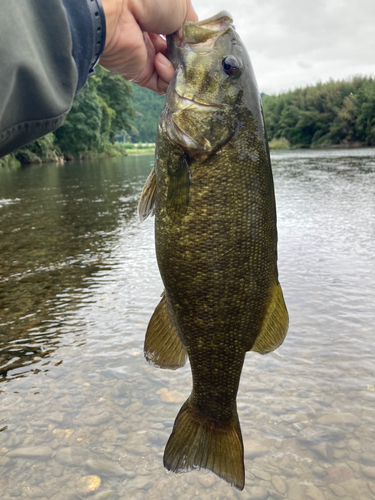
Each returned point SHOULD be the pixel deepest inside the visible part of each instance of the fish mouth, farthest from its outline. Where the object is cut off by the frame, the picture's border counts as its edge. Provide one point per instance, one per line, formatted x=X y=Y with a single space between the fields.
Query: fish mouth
x=201 y=32
x=186 y=102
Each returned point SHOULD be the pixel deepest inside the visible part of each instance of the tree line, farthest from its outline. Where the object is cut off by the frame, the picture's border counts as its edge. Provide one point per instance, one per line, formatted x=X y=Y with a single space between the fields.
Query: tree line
x=340 y=113
x=109 y=111
x=99 y=111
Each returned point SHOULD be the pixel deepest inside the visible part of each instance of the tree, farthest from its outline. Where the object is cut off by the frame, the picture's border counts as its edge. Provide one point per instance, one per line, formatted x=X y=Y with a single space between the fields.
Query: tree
x=81 y=128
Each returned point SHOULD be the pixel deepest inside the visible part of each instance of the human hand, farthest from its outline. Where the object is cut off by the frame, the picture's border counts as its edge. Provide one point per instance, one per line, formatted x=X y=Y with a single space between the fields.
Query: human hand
x=134 y=47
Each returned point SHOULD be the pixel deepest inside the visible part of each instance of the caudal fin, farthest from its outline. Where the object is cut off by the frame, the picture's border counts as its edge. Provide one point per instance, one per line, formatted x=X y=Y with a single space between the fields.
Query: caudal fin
x=197 y=443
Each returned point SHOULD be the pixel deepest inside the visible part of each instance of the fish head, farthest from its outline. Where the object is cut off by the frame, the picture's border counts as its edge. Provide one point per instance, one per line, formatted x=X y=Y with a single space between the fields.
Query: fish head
x=212 y=75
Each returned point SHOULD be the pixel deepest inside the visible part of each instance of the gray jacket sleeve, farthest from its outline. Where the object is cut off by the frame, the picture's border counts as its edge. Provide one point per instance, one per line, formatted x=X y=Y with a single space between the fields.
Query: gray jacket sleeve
x=38 y=75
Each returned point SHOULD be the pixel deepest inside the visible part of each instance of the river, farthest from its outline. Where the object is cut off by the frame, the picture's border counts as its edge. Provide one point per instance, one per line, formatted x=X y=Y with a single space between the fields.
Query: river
x=78 y=284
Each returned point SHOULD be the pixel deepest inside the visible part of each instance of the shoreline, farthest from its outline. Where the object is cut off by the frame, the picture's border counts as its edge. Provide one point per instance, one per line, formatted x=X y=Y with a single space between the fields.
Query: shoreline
x=11 y=161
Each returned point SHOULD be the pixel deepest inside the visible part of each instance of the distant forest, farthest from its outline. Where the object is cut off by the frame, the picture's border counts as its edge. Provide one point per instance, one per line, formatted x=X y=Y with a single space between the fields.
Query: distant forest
x=109 y=111
x=148 y=106
x=336 y=113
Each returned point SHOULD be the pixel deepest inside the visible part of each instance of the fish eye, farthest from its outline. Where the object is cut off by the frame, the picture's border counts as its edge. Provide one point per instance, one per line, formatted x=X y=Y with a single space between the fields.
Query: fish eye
x=230 y=65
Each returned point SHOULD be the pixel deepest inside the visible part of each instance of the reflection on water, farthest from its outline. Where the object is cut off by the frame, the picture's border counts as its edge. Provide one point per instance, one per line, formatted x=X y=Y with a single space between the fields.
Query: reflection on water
x=78 y=283
x=56 y=232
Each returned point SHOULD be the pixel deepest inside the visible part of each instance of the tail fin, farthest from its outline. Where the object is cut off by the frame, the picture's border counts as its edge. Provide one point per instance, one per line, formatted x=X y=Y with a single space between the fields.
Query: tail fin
x=197 y=443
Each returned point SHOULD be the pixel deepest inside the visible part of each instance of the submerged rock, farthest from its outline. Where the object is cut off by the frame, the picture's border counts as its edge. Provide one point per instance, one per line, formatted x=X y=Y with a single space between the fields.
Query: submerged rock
x=106 y=495
x=102 y=418
x=120 y=389
x=105 y=467
x=315 y=493
x=74 y=456
x=369 y=471
x=87 y=485
x=323 y=451
x=41 y=452
x=338 y=490
x=340 y=418
x=253 y=449
x=261 y=474
x=172 y=397
x=337 y=474
x=258 y=493
x=367 y=459
x=279 y=484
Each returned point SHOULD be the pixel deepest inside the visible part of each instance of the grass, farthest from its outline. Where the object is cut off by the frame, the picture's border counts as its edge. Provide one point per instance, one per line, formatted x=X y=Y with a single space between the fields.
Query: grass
x=279 y=144
x=134 y=149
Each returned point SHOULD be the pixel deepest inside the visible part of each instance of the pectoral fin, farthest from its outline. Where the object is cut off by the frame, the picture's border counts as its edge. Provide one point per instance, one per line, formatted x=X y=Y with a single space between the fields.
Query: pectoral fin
x=163 y=346
x=146 y=205
x=178 y=189
x=275 y=324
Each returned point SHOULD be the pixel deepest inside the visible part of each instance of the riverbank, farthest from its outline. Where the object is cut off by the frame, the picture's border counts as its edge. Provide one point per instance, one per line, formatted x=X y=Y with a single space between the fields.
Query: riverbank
x=14 y=159
x=26 y=157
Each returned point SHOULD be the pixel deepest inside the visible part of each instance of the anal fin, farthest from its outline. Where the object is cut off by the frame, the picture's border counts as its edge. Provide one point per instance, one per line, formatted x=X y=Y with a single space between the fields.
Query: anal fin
x=163 y=346
x=275 y=324
x=146 y=205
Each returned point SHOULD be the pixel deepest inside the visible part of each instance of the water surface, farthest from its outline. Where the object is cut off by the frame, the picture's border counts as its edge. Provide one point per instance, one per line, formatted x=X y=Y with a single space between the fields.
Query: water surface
x=78 y=284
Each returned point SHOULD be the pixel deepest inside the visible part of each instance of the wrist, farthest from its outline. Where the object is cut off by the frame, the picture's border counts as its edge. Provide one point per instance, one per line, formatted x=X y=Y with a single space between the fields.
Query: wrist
x=99 y=31
x=112 y=11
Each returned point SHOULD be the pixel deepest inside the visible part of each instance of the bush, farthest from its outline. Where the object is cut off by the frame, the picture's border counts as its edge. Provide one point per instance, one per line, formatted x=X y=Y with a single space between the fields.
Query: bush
x=281 y=143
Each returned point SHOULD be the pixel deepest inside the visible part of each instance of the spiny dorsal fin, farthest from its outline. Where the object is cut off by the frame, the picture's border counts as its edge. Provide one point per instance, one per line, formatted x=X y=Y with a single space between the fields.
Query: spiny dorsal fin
x=163 y=346
x=275 y=324
x=197 y=443
x=146 y=205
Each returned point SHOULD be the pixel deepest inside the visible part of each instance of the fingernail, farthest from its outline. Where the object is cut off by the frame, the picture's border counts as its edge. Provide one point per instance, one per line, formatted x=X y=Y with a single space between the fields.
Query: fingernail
x=164 y=61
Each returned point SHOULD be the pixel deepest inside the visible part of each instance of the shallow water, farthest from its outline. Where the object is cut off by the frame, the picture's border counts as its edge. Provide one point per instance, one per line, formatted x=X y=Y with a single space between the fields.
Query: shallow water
x=78 y=284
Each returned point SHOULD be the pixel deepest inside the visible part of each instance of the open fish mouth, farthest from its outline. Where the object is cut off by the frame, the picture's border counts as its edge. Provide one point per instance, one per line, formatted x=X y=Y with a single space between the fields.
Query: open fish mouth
x=195 y=35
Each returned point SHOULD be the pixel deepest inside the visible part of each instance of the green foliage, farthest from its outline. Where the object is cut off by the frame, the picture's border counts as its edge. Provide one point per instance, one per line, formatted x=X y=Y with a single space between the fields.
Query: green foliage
x=332 y=113
x=100 y=111
x=116 y=93
x=43 y=149
x=148 y=107
x=103 y=121
x=81 y=128
x=9 y=161
x=281 y=143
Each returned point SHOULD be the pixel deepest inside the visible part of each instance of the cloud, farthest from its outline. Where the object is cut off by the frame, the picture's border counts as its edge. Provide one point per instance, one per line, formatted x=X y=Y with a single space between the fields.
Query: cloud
x=299 y=42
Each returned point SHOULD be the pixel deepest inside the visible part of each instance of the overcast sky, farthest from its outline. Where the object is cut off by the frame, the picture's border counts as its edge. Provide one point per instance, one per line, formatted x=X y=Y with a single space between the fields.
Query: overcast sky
x=293 y=43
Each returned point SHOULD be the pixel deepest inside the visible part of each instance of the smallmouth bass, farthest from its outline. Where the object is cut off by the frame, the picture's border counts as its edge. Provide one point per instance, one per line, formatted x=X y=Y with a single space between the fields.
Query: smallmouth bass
x=216 y=241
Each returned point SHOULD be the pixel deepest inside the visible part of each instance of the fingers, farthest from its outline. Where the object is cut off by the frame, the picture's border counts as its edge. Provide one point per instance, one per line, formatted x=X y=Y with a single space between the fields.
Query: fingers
x=136 y=50
x=162 y=16
x=164 y=67
x=160 y=44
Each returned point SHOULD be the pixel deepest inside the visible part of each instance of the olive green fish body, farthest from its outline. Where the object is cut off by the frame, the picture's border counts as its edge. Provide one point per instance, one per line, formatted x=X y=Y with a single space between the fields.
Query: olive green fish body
x=218 y=261
x=216 y=242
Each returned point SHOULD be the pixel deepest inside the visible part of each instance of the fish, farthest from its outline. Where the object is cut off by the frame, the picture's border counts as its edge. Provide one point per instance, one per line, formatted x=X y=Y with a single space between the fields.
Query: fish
x=211 y=191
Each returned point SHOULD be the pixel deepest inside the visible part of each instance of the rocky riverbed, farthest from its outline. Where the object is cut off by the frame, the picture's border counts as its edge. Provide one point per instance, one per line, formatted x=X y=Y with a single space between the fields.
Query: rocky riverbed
x=71 y=434
x=82 y=415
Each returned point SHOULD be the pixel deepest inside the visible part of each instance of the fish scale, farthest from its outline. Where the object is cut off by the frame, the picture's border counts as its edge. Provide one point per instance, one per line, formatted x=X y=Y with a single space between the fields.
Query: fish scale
x=216 y=242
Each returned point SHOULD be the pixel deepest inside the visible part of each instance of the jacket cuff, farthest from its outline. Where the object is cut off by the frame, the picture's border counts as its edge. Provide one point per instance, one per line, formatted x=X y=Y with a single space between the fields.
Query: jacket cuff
x=87 y=26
